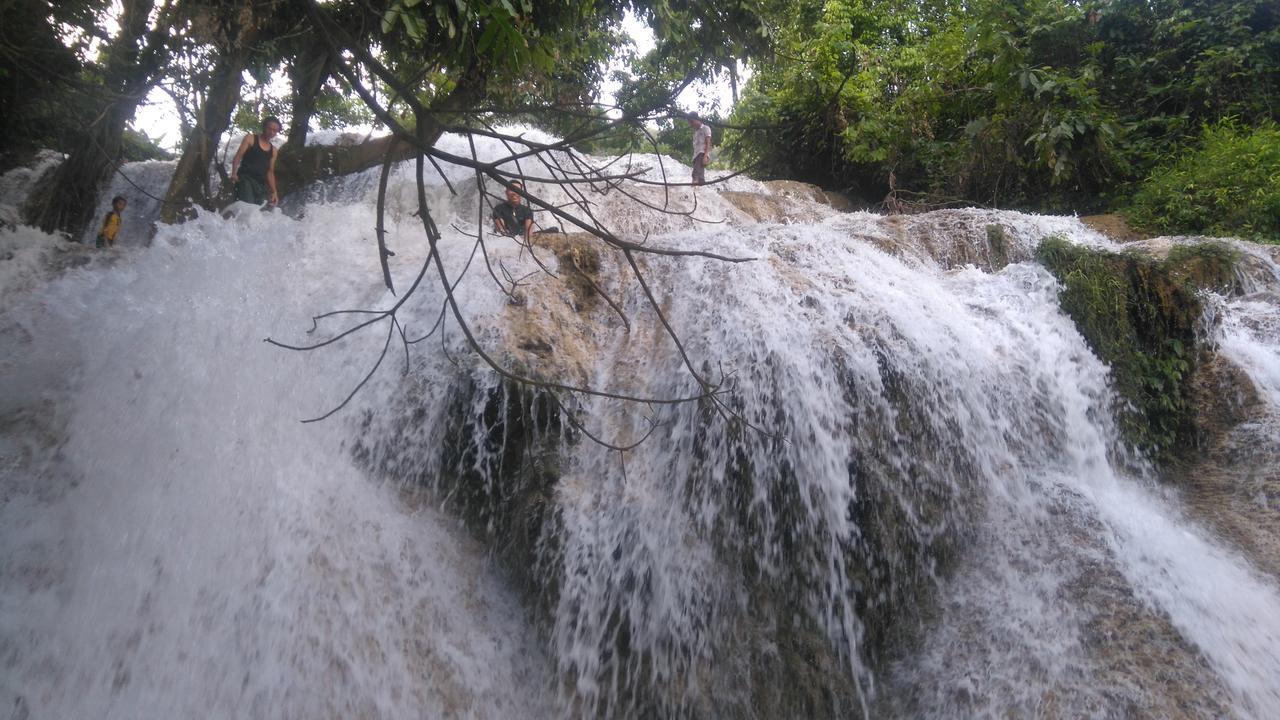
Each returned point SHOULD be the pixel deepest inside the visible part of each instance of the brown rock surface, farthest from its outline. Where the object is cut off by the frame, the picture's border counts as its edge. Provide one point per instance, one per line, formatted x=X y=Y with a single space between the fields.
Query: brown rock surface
x=1114 y=226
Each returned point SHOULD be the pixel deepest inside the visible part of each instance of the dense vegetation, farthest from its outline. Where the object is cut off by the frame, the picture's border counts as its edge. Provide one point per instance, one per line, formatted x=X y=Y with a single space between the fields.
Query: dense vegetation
x=1162 y=108
x=1046 y=104
x=1228 y=183
x=74 y=73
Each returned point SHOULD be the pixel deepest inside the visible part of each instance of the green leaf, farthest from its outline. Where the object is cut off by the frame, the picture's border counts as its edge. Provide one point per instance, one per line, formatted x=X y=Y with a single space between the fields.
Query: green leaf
x=413 y=26
x=486 y=38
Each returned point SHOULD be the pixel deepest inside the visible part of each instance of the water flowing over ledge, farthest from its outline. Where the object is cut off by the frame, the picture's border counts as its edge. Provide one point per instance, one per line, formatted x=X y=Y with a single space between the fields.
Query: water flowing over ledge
x=922 y=505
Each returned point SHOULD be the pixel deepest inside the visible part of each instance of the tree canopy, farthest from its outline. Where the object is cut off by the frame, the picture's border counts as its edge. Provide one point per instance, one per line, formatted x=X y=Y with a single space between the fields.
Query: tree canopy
x=1036 y=103
x=1040 y=104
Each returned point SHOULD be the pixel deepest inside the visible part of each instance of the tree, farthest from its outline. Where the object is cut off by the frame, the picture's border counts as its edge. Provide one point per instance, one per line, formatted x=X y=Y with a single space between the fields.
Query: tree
x=443 y=63
x=129 y=66
x=36 y=70
x=1044 y=103
x=232 y=30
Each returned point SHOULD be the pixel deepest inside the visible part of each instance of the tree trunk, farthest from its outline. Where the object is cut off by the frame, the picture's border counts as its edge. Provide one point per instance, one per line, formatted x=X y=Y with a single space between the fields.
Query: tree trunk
x=68 y=203
x=296 y=170
x=128 y=74
x=308 y=73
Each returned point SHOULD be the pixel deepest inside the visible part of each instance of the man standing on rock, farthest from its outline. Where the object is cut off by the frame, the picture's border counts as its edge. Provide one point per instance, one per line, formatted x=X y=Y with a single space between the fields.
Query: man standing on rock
x=254 y=168
x=701 y=149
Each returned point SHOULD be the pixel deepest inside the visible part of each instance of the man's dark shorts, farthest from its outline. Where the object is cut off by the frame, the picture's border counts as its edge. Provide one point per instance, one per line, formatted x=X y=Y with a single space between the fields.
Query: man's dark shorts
x=252 y=190
x=700 y=169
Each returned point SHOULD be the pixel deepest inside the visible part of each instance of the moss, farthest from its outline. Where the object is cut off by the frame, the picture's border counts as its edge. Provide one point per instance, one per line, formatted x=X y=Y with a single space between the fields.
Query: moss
x=498 y=470
x=999 y=247
x=1141 y=316
x=501 y=469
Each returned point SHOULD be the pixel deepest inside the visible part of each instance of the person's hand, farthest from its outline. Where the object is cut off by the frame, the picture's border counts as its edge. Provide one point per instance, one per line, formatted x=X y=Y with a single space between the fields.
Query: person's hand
x=235 y=177
x=275 y=200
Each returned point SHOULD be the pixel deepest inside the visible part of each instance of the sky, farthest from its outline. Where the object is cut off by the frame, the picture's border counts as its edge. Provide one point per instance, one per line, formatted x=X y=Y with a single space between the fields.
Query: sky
x=157 y=117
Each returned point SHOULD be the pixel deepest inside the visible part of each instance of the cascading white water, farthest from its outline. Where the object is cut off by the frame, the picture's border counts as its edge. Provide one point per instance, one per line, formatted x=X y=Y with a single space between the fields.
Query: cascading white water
x=933 y=515
x=177 y=544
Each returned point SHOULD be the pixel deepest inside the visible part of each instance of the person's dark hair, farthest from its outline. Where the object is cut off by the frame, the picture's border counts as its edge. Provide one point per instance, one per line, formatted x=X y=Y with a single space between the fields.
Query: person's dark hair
x=272 y=119
x=117 y=199
x=515 y=184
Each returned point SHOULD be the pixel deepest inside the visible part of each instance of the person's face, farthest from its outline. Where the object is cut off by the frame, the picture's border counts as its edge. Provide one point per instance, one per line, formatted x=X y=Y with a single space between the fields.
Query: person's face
x=119 y=205
x=513 y=196
x=270 y=130
x=695 y=124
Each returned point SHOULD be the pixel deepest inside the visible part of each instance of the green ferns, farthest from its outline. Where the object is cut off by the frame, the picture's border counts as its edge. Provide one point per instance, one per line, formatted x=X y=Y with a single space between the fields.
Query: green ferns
x=1141 y=317
x=1228 y=185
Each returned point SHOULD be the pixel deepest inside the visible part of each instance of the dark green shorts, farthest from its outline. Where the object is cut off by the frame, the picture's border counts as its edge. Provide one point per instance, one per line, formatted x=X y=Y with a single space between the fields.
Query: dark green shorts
x=252 y=190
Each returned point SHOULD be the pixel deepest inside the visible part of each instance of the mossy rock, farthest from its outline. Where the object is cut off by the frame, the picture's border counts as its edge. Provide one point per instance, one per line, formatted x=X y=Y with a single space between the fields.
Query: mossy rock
x=1143 y=317
x=497 y=468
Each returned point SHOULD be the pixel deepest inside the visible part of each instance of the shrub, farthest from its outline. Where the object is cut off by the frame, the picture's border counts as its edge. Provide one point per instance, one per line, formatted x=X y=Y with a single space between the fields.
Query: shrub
x=1228 y=184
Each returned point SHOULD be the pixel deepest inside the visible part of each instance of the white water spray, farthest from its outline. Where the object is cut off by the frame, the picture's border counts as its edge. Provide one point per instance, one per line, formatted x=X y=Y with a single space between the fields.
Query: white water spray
x=177 y=544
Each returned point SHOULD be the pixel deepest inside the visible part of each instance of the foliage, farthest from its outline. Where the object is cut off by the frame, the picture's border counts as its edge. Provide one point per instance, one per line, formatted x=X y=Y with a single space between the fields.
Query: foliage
x=39 y=71
x=1041 y=103
x=528 y=49
x=1229 y=184
x=695 y=40
x=138 y=145
x=335 y=107
x=1142 y=317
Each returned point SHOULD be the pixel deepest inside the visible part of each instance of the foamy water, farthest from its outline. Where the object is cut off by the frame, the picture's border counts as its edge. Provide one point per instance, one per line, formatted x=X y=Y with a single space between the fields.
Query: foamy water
x=177 y=544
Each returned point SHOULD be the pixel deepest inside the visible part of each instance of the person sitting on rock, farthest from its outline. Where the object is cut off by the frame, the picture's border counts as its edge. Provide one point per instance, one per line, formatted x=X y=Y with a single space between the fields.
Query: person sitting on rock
x=254 y=168
x=511 y=216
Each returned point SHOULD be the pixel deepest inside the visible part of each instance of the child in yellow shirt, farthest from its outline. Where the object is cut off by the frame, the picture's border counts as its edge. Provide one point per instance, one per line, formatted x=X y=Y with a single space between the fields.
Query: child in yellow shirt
x=111 y=223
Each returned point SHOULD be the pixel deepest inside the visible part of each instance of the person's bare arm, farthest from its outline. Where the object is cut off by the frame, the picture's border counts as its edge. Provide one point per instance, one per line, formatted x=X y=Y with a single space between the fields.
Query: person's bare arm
x=528 y=230
x=235 y=163
x=271 y=178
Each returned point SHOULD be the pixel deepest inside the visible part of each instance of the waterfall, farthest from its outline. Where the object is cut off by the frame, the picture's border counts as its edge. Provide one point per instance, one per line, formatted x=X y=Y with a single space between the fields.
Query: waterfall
x=907 y=497
x=176 y=544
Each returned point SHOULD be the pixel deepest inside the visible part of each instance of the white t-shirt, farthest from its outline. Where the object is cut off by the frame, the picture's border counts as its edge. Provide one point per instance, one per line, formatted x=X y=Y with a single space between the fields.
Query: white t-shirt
x=702 y=140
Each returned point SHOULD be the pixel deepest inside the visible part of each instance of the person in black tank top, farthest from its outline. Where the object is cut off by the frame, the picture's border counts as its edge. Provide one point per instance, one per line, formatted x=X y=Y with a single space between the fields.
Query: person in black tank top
x=254 y=168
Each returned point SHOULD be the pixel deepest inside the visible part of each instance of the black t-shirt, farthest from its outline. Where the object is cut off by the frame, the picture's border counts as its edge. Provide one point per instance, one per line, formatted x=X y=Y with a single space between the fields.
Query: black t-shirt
x=514 y=216
x=255 y=162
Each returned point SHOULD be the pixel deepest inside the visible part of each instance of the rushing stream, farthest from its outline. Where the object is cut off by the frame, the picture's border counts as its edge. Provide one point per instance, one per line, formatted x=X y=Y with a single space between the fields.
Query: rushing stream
x=914 y=502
